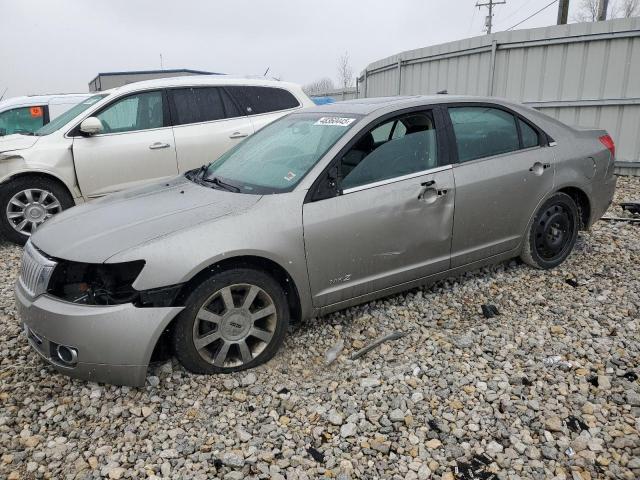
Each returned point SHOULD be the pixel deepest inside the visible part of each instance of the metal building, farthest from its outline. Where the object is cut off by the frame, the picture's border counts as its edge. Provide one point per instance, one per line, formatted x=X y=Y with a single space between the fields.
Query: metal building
x=338 y=94
x=107 y=80
x=583 y=74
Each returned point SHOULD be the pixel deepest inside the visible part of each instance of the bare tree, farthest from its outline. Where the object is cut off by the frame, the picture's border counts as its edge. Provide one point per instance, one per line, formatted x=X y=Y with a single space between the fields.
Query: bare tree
x=345 y=71
x=587 y=11
x=321 y=86
x=629 y=8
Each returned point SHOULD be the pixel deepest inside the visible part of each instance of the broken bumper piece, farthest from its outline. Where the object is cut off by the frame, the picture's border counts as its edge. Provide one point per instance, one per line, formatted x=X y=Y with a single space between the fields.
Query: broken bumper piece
x=110 y=344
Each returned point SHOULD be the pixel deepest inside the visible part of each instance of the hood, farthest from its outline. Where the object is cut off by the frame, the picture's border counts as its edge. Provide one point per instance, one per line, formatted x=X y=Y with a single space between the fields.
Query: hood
x=17 y=142
x=96 y=231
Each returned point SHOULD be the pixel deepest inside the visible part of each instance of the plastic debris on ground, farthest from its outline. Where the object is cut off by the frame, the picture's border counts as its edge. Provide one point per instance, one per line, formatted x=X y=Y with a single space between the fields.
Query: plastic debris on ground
x=489 y=311
x=575 y=424
x=631 y=207
x=333 y=352
x=557 y=361
x=476 y=469
x=317 y=455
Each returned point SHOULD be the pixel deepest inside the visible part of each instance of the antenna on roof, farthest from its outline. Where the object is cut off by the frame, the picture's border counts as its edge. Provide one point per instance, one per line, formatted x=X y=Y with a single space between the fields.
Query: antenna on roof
x=161 y=65
x=266 y=71
x=5 y=91
x=443 y=92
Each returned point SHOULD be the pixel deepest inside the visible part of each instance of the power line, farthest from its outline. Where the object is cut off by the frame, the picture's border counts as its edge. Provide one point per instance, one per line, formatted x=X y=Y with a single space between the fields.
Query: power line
x=532 y=15
x=471 y=24
x=513 y=14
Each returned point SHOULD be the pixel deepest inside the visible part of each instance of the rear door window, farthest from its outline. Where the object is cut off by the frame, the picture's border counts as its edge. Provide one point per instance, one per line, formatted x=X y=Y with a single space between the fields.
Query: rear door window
x=257 y=100
x=22 y=120
x=195 y=105
x=530 y=137
x=483 y=132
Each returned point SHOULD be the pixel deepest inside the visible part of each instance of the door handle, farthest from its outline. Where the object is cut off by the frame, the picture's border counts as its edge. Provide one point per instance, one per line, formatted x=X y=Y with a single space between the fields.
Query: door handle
x=238 y=135
x=158 y=146
x=539 y=168
x=427 y=192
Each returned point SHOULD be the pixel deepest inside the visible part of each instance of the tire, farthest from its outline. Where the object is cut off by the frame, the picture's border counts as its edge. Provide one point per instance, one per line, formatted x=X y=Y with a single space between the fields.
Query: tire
x=207 y=317
x=552 y=233
x=14 y=193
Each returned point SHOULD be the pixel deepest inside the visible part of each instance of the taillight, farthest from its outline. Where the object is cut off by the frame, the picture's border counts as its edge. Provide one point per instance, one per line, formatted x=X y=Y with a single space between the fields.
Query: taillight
x=607 y=141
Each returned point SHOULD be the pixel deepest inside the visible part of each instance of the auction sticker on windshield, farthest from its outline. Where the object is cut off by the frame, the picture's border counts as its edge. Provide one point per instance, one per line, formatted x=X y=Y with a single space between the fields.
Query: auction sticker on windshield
x=335 y=121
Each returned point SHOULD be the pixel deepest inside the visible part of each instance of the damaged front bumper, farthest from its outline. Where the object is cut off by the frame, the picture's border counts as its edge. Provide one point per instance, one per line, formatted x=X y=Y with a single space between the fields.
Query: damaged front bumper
x=110 y=344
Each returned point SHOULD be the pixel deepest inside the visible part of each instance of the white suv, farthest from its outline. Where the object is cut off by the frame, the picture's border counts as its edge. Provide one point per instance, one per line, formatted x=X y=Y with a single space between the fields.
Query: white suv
x=127 y=136
x=30 y=113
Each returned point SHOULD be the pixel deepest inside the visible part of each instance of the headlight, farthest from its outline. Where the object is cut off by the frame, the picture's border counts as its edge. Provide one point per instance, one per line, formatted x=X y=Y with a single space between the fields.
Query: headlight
x=95 y=284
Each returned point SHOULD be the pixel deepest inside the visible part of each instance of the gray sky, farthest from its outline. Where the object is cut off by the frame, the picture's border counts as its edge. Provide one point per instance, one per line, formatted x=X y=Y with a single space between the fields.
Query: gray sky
x=60 y=45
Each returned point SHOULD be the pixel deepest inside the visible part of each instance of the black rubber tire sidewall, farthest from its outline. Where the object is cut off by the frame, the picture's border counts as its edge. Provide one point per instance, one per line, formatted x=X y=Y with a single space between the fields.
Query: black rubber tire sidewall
x=182 y=337
x=530 y=254
x=10 y=188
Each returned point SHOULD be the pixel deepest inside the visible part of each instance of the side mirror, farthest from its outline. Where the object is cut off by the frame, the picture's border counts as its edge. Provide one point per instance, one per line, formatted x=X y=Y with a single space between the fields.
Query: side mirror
x=328 y=187
x=91 y=126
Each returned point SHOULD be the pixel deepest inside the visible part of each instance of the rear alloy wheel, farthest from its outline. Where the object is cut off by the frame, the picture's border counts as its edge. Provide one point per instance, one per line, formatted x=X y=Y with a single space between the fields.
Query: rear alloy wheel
x=27 y=203
x=234 y=320
x=553 y=232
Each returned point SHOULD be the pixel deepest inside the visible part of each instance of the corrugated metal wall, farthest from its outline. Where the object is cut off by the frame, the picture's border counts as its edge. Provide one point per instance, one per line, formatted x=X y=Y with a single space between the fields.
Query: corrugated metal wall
x=585 y=74
x=339 y=94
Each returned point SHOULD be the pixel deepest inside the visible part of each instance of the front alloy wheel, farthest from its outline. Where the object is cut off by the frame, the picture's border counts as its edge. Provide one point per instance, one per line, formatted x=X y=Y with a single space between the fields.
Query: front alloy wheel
x=234 y=320
x=27 y=202
x=234 y=325
x=30 y=208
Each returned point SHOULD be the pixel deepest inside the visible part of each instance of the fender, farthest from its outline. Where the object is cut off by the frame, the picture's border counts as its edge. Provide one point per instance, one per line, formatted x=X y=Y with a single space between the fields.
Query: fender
x=17 y=167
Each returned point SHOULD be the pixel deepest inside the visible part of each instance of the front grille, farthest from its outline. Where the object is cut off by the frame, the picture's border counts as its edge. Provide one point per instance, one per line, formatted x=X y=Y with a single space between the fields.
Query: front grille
x=35 y=271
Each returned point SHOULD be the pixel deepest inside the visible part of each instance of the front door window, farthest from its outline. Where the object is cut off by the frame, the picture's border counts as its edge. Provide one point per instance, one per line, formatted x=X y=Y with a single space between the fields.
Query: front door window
x=141 y=111
x=397 y=147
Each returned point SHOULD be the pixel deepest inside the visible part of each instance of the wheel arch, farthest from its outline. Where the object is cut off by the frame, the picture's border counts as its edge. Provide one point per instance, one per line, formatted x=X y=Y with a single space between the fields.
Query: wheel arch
x=41 y=174
x=582 y=202
x=263 y=264
x=577 y=194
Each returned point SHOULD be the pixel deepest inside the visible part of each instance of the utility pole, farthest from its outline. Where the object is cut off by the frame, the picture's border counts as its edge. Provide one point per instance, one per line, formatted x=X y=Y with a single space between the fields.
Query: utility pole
x=490 y=4
x=563 y=12
x=602 y=10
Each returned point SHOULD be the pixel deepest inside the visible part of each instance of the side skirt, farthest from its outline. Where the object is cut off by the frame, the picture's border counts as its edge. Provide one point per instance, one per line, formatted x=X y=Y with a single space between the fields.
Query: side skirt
x=418 y=283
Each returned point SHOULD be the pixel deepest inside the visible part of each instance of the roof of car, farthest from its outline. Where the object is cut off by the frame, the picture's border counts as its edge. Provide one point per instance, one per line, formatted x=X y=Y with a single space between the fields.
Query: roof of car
x=36 y=99
x=365 y=106
x=189 y=80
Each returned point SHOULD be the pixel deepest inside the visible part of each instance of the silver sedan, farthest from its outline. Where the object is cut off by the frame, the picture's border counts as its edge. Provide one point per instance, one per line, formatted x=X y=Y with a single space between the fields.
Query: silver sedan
x=321 y=210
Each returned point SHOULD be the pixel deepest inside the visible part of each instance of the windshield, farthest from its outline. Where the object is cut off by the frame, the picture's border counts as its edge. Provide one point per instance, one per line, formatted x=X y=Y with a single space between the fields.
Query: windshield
x=277 y=157
x=69 y=115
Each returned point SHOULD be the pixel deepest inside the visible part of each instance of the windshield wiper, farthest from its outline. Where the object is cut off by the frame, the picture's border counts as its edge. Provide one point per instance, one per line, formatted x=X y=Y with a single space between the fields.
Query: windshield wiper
x=194 y=174
x=221 y=184
x=198 y=176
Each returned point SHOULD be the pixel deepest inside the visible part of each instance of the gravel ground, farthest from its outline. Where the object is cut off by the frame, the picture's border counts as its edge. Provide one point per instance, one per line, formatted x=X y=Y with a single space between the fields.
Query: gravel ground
x=546 y=389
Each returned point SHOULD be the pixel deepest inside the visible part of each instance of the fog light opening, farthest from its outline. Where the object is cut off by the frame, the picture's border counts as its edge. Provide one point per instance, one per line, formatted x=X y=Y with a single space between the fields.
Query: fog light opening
x=67 y=355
